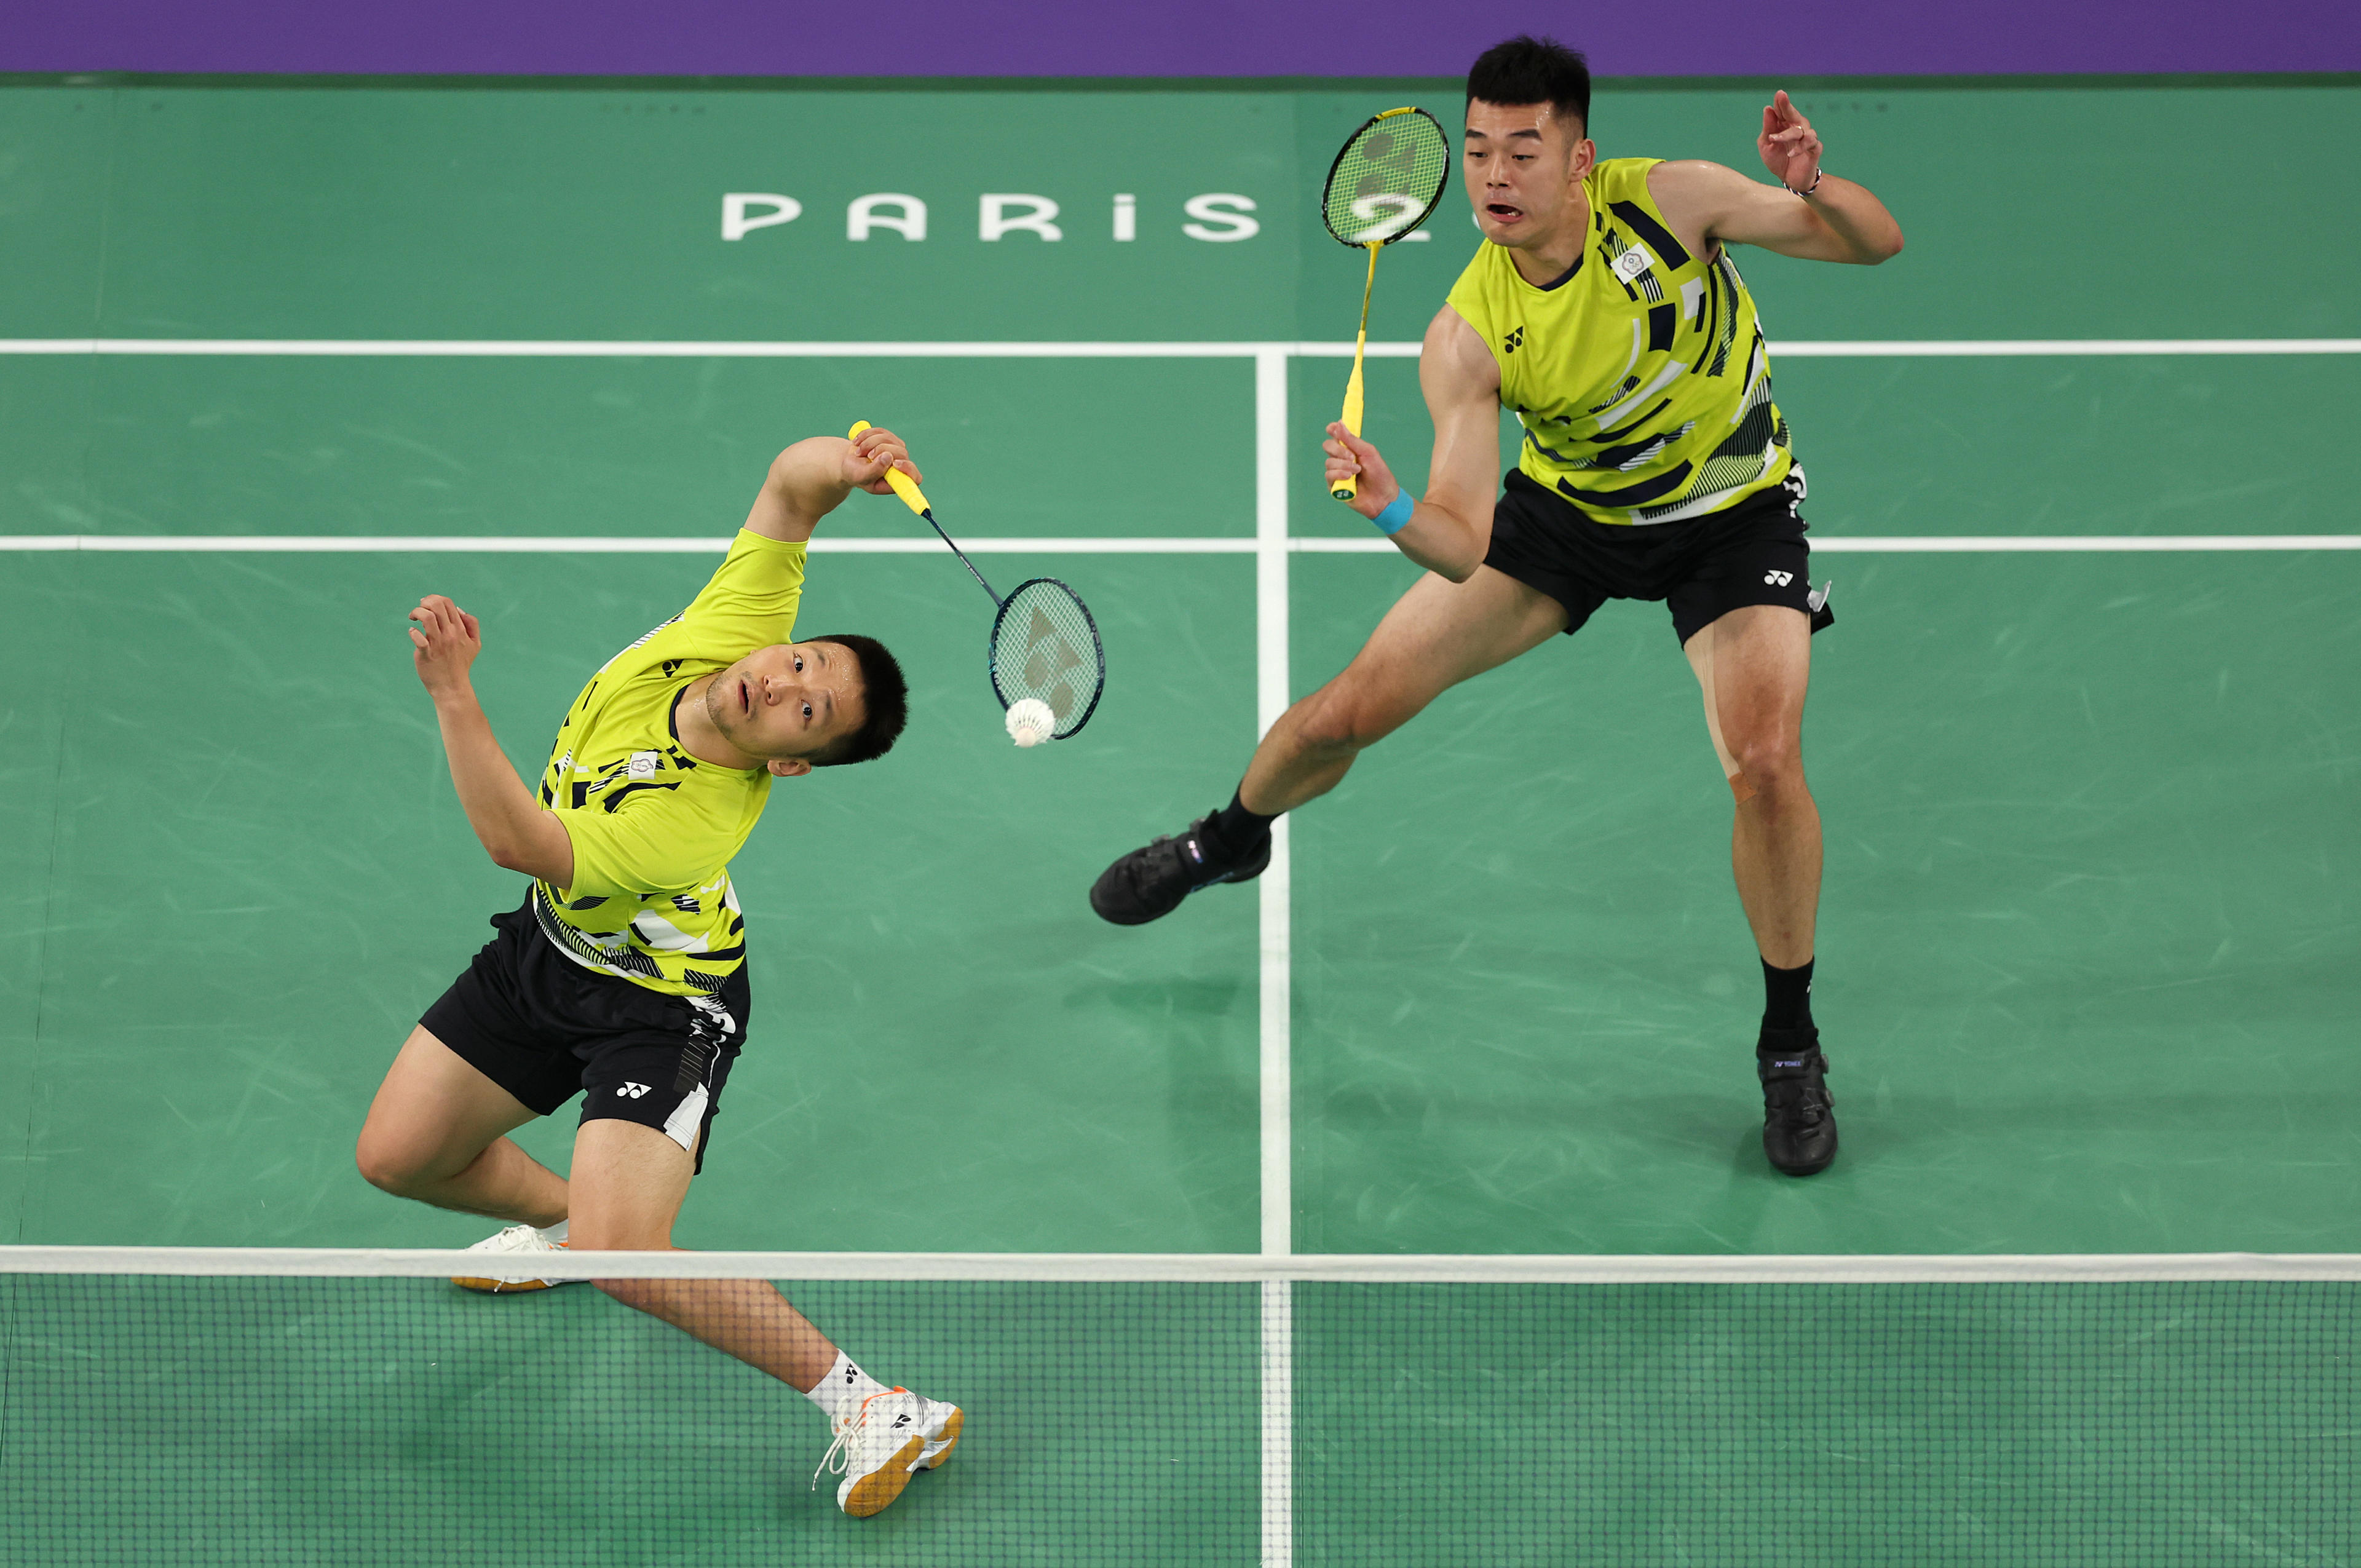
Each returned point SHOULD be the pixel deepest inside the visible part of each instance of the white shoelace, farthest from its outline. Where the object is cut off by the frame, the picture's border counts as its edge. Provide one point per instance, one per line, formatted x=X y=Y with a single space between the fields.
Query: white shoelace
x=838 y=1457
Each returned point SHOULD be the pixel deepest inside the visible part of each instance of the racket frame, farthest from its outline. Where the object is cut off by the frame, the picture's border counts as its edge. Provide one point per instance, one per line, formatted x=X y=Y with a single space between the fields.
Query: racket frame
x=908 y=488
x=1098 y=652
x=1338 y=162
x=1344 y=489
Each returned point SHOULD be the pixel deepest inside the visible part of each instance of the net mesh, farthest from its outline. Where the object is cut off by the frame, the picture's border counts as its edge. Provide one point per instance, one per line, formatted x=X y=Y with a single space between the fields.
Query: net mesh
x=1200 y=1418
x=1044 y=645
x=1387 y=178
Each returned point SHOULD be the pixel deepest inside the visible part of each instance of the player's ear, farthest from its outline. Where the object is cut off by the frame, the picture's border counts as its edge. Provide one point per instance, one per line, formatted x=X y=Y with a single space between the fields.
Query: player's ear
x=788 y=767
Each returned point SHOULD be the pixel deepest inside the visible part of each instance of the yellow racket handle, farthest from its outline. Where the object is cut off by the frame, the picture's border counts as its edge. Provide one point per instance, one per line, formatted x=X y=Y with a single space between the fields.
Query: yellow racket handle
x=904 y=486
x=1345 y=488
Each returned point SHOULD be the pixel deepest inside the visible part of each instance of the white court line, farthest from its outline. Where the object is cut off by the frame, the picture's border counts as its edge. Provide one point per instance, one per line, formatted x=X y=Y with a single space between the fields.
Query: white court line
x=2135 y=544
x=575 y=544
x=1957 y=348
x=693 y=348
x=1972 y=544
x=1272 y=695
x=1270 y=554
x=623 y=349
x=1275 y=996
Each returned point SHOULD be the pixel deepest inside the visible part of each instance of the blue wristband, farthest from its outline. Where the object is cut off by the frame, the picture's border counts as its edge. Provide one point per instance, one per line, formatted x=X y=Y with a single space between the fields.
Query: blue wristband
x=1396 y=516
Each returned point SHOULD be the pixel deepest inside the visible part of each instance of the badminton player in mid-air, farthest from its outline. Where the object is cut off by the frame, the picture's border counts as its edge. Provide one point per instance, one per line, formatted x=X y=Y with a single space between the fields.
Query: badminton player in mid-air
x=1603 y=308
x=622 y=976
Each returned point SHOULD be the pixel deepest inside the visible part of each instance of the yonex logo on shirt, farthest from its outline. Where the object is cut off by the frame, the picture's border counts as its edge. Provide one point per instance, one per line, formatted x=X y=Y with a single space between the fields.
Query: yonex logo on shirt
x=1514 y=341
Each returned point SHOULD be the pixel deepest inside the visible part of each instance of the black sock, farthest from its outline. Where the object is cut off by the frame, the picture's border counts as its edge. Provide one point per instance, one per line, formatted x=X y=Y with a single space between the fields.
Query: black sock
x=1787 y=996
x=1234 y=833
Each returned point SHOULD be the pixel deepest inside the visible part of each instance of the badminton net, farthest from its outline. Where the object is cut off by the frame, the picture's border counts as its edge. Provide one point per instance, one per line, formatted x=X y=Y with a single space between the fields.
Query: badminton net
x=233 y=1406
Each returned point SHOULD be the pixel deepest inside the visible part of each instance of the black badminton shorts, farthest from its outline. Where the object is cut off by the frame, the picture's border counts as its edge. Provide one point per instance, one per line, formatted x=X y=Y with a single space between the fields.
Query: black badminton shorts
x=545 y=1029
x=1703 y=567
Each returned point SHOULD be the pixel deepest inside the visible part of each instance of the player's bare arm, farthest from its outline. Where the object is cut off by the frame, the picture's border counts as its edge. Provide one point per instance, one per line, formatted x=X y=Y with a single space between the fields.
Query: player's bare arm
x=811 y=478
x=514 y=830
x=1811 y=215
x=1450 y=525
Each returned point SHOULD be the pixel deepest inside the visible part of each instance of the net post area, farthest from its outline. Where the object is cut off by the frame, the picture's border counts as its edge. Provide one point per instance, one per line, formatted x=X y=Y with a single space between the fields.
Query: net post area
x=236 y=1406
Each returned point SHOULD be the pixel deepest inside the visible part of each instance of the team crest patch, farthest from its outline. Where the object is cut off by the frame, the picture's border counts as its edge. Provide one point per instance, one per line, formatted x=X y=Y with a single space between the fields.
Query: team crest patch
x=1631 y=264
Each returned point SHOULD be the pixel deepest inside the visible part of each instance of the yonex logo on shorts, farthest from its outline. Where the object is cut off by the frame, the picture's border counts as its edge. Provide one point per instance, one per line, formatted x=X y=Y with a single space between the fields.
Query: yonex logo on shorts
x=1780 y=579
x=632 y=1090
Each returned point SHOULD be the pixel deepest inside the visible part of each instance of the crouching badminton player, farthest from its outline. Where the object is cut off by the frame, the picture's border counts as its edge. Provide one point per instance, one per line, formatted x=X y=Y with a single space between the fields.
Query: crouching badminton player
x=623 y=975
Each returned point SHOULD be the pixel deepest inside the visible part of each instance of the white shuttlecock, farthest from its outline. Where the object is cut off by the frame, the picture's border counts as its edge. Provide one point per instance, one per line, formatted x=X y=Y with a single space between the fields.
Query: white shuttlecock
x=1030 y=721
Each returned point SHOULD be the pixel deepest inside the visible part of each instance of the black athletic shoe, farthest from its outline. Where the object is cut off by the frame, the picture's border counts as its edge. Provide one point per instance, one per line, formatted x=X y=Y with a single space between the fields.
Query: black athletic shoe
x=1150 y=883
x=1799 y=1124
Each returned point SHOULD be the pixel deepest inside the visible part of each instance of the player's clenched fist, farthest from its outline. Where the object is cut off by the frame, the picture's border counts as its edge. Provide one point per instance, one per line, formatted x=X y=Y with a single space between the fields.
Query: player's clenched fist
x=445 y=639
x=872 y=452
x=1348 y=455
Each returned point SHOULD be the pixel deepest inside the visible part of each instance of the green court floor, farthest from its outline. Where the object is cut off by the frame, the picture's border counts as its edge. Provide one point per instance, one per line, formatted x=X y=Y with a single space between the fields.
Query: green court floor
x=2087 y=963
x=2088 y=955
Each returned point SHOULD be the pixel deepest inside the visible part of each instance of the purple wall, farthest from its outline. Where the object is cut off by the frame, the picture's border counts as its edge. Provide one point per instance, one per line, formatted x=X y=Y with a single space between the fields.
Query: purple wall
x=1204 y=38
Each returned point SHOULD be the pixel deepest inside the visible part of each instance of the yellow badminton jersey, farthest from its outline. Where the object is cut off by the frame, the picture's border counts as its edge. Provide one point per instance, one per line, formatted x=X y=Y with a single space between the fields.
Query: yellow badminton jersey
x=1641 y=376
x=653 y=827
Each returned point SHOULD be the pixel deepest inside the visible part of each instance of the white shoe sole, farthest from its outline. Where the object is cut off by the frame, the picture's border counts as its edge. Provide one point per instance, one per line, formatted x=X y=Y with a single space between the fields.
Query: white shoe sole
x=872 y=1494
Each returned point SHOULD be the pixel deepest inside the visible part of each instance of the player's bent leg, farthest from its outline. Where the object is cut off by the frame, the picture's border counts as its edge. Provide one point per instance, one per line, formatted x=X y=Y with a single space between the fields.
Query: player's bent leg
x=1753 y=665
x=436 y=1133
x=629 y=1180
x=1436 y=635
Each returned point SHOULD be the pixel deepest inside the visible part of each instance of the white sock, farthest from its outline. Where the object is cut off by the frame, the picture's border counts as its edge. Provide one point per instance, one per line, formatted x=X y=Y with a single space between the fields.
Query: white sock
x=843 y=1388
x=555 y=1233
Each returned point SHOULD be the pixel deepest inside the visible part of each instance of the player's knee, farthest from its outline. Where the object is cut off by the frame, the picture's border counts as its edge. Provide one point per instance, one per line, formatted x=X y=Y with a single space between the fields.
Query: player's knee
x=1771 y=764
x=1345 y=718
x=385 y=1164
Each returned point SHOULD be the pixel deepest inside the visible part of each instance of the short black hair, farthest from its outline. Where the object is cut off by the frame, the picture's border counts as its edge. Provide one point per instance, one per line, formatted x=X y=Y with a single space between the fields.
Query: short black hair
x=884 y=702
x=1527 y=70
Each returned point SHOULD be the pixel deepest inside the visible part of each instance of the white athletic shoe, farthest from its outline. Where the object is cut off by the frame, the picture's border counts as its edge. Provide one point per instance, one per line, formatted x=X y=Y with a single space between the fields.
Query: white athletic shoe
x=884 y=1441
x=515 y=1240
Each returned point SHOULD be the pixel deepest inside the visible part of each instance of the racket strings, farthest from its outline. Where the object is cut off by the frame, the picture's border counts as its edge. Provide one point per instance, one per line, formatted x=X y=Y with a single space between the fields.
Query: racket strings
x=1387 y=178
x=1046 y=646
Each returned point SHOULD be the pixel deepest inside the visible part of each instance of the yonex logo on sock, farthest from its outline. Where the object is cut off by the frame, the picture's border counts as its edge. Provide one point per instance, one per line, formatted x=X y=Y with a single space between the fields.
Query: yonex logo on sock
x=632 y=1090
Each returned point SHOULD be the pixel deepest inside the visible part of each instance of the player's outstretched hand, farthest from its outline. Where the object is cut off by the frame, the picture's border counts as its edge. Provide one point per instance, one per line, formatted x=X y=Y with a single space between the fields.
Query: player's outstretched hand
x=1349 y=455
x=445 y=639
x=872 y=453
x=1790 y=148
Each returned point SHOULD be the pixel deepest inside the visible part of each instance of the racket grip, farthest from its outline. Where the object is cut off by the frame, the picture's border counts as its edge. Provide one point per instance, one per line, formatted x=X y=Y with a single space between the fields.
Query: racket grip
x=904 y=486
x=1345 y=488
